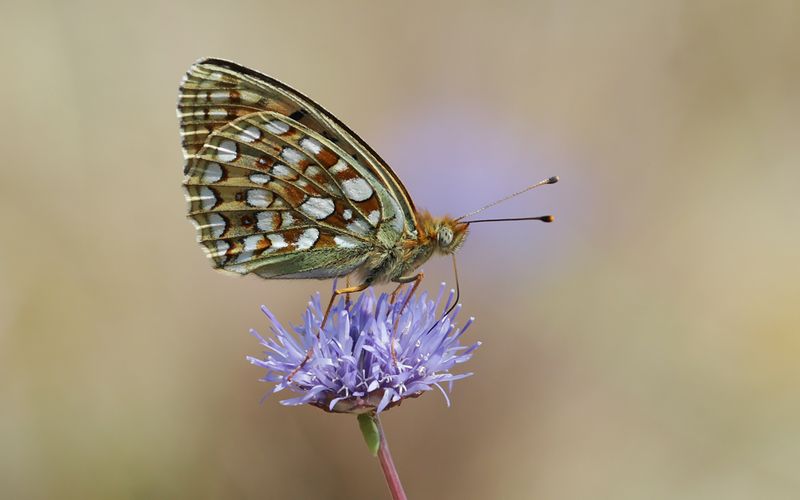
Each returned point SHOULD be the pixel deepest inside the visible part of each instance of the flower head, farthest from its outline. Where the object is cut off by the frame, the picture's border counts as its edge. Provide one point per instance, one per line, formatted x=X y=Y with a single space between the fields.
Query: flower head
x=351 y=368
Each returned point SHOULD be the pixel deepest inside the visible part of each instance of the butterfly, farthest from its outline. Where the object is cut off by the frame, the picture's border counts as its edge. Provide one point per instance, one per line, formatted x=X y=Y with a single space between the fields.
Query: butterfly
x=279 y=187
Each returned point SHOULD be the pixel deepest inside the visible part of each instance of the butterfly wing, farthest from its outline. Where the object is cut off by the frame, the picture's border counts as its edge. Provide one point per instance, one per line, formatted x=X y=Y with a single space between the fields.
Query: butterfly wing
x=276 y=185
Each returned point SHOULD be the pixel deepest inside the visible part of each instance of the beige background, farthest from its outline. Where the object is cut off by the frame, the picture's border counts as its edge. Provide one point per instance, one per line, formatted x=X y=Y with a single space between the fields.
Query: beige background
x=645 y=346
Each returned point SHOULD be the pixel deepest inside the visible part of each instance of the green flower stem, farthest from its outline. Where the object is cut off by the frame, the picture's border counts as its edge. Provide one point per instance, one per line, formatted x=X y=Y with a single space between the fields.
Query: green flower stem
x=373 y=433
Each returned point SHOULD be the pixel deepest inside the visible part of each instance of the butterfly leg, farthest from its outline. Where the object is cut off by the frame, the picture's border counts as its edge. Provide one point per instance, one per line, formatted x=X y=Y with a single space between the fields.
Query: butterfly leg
x=416 y=279
x=347 y=296
x=395 y=292
x=347 y=290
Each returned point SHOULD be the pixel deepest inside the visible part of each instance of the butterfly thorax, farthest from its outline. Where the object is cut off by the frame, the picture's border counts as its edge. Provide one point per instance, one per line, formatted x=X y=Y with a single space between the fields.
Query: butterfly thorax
x=435 y=235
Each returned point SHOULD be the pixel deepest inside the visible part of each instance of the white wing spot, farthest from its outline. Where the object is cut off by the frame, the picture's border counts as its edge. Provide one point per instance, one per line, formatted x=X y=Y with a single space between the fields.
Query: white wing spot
x=398 y=221
x=220 y=96
x=250 y=134
x=339 y=167
x=220 y=248
x=287 y=220
x=249 y=97
x=211 y=173
x=317 y=208
x=307 y=238
x=227 y=151
x=277 y=127
x=243 y=257
x=347 y=214
x=259 y=178
x=218 y=113
x=359 y=226
x=310 y=145
x=215 y=225
x=252 y=242
x=281 y=170
x=205 y=196
x=357 y=189
x=266 y=221
x=259 y=198
x=292 y=155
x=374 y=217
x=313 y=171
x=345 y=241
x=277 y=241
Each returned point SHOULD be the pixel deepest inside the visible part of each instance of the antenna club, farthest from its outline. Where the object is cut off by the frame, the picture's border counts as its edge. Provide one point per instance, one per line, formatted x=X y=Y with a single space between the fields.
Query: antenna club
x=548 y=218
x=551 y=180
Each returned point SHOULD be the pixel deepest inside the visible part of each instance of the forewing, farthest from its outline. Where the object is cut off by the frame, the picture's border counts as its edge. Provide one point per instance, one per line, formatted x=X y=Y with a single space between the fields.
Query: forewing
x=215 y=93
x=268 y=200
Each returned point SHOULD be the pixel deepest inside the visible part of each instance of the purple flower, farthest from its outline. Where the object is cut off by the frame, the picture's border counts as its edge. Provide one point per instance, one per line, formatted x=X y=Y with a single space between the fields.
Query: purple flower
x=351 y=369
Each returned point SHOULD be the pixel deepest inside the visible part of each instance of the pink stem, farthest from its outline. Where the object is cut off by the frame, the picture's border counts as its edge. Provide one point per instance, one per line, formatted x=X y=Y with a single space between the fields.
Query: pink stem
x=387 y=464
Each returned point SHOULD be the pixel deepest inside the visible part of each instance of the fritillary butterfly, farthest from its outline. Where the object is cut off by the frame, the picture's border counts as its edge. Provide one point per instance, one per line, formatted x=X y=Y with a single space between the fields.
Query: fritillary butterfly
x=279 y=187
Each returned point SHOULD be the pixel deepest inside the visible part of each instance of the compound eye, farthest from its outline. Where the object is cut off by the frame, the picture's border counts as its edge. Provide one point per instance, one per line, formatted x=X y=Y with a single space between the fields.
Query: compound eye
x=445 y=236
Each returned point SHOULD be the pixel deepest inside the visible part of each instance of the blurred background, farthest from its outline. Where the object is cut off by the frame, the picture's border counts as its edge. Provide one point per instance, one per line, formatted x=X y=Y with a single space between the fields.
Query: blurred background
x=644 y=346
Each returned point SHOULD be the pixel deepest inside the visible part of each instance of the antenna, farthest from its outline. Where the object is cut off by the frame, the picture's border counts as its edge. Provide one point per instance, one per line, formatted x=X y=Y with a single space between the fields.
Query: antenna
x=551 y=180
x=543 y=218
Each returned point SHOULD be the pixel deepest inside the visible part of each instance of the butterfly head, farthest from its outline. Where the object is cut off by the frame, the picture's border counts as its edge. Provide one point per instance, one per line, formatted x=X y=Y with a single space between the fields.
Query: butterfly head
x=450 y=235
x=445 y=233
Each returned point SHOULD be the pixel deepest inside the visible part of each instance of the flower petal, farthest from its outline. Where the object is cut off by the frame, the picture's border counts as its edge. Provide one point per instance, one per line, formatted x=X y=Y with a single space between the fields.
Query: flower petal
x=351 y=359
